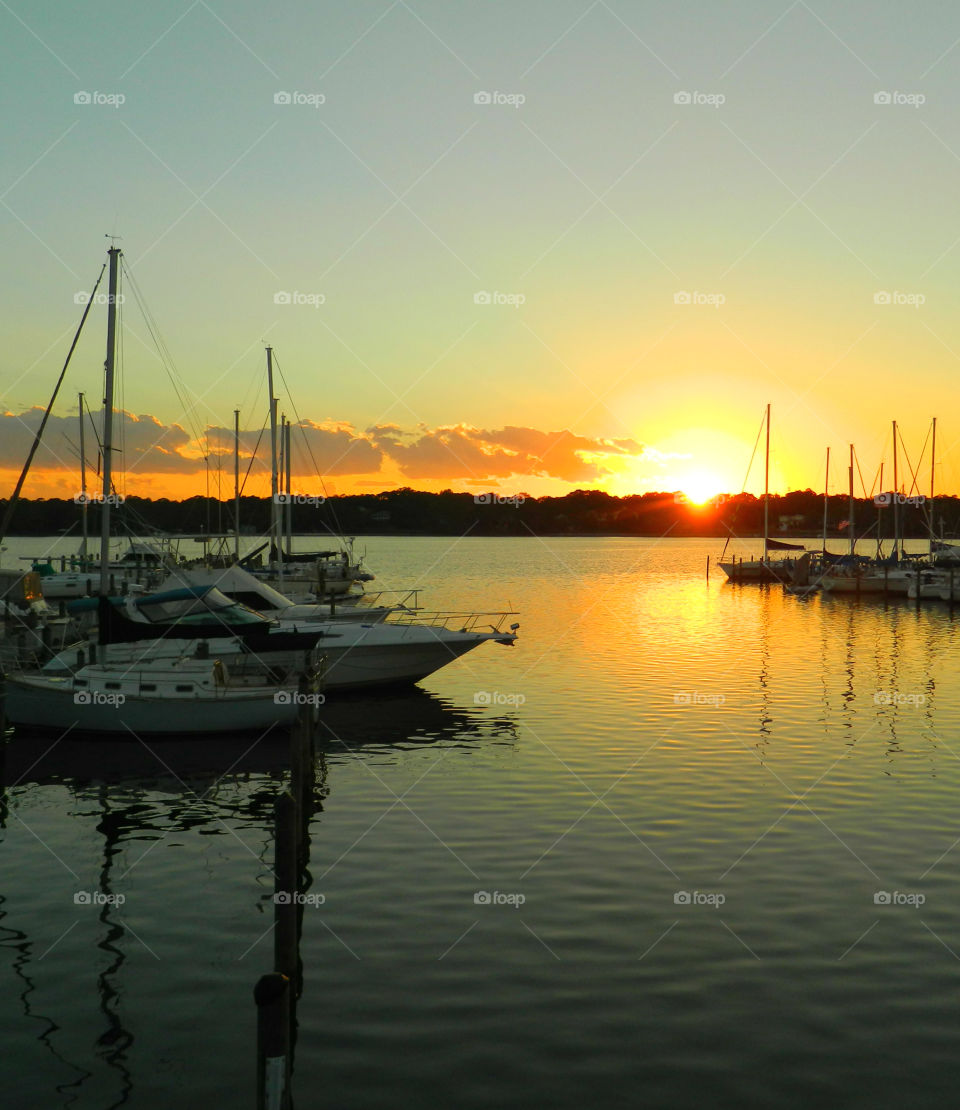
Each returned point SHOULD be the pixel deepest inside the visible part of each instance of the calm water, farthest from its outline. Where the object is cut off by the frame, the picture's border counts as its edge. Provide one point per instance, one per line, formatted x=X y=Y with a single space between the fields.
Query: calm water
x=698 y=790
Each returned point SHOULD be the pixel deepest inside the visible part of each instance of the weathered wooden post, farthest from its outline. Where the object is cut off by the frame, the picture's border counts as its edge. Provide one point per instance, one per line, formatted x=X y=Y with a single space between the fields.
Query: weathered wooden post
x=708 y=568
x=272 y=996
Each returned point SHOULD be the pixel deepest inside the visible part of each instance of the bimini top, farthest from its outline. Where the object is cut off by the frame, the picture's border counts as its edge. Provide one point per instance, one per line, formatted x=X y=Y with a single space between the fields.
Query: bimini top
x=188 y=602
x=193 y=612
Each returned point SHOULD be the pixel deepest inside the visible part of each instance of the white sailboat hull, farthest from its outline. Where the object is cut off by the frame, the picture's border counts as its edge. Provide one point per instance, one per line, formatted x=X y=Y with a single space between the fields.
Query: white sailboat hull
x=50 y=703
x=756 y=570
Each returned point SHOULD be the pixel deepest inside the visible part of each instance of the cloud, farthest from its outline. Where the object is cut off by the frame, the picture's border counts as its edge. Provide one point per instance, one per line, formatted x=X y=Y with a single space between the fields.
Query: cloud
x=462 y=451
x=147 y=445
x=456 y=452
x=329 y=448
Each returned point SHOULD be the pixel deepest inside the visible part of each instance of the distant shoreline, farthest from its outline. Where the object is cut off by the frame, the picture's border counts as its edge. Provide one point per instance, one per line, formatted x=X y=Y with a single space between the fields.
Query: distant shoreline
x=409 y=512
x=313 y=537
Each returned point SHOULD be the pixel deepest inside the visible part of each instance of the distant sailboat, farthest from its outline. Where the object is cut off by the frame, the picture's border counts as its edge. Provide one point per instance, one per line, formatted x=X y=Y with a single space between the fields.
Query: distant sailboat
x=764 y=569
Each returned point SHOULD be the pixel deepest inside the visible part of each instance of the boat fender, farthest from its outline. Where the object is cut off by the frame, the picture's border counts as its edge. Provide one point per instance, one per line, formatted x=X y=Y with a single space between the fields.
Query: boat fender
x=219 y=673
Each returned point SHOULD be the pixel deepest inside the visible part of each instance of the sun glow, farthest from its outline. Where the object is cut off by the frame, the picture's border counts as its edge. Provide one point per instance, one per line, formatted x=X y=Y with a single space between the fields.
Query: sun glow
x=701 y=487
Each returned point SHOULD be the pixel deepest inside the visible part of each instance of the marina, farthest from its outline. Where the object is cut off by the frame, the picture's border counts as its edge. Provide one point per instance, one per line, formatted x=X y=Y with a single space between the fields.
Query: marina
x=479 y=556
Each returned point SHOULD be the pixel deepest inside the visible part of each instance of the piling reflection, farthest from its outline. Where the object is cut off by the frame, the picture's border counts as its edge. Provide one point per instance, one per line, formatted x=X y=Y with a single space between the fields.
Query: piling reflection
x=140 y=792
x=113 y=1043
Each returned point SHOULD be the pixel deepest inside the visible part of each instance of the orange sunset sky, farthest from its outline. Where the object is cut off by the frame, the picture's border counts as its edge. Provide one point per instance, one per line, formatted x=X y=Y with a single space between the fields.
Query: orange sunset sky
x=524 y=248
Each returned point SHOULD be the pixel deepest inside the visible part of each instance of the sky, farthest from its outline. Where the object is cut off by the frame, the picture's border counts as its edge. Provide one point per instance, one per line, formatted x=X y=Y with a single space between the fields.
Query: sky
x=529 y=246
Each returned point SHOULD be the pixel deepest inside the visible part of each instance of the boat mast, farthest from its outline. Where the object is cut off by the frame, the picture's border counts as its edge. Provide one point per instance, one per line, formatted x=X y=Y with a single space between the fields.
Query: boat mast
x=850 y=514
x=766 y=492
x=236 y=485
x=826 y=494
x=108 y=372
x=933 y=459
x=896 y=507
x=880 y=518
x=274 y=488
x=289 y=467
x=83 y=494
x=281 y=469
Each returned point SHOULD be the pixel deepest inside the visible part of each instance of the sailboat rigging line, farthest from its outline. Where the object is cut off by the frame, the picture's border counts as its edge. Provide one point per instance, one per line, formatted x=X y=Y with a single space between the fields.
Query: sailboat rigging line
x=166 y=358
x=255 y=382
x=293 y=405
x=863 y=484
x=923 y=455
x=913 y=473
x=75 y=447
x=243 y=484
x=96 y=433
x=743 y=488
x=746 y=477
x=15 y=496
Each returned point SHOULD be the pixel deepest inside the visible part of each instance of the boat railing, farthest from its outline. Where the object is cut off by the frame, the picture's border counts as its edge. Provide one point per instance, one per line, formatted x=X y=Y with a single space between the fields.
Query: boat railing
x=395 y=599
x=459 y=621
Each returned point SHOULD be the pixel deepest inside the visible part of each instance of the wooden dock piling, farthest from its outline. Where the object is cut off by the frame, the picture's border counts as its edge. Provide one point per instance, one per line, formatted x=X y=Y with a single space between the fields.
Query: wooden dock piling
x=272 y=996
x=276 y=994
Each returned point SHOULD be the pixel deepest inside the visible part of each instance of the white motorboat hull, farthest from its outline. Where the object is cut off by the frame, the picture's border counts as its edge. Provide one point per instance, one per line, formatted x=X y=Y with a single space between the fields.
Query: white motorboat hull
x=802 y=591
x=382 y=654
x=926 y=590
x=394 y=664
x=895 y=583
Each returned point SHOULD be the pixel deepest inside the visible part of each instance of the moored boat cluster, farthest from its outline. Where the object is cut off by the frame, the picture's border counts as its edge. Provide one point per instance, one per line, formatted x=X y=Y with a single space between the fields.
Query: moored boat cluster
x=149 y=644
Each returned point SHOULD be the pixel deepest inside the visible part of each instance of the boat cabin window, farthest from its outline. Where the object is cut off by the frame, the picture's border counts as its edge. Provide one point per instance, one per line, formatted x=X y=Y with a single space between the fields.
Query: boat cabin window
x=253 y=600
x=183 y=688
x=209 y=607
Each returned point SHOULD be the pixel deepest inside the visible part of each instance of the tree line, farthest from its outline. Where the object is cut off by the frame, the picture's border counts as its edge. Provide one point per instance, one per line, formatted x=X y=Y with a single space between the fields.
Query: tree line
x=581 y=512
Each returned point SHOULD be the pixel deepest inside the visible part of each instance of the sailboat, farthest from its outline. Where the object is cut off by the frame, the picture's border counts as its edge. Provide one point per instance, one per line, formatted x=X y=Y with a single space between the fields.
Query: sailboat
x=146 y=693
x=893 y=574
x=764 y=569
x=309 y=576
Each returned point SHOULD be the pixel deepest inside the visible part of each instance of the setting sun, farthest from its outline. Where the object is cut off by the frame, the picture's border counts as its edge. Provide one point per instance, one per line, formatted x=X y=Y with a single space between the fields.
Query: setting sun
x=701 y=486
